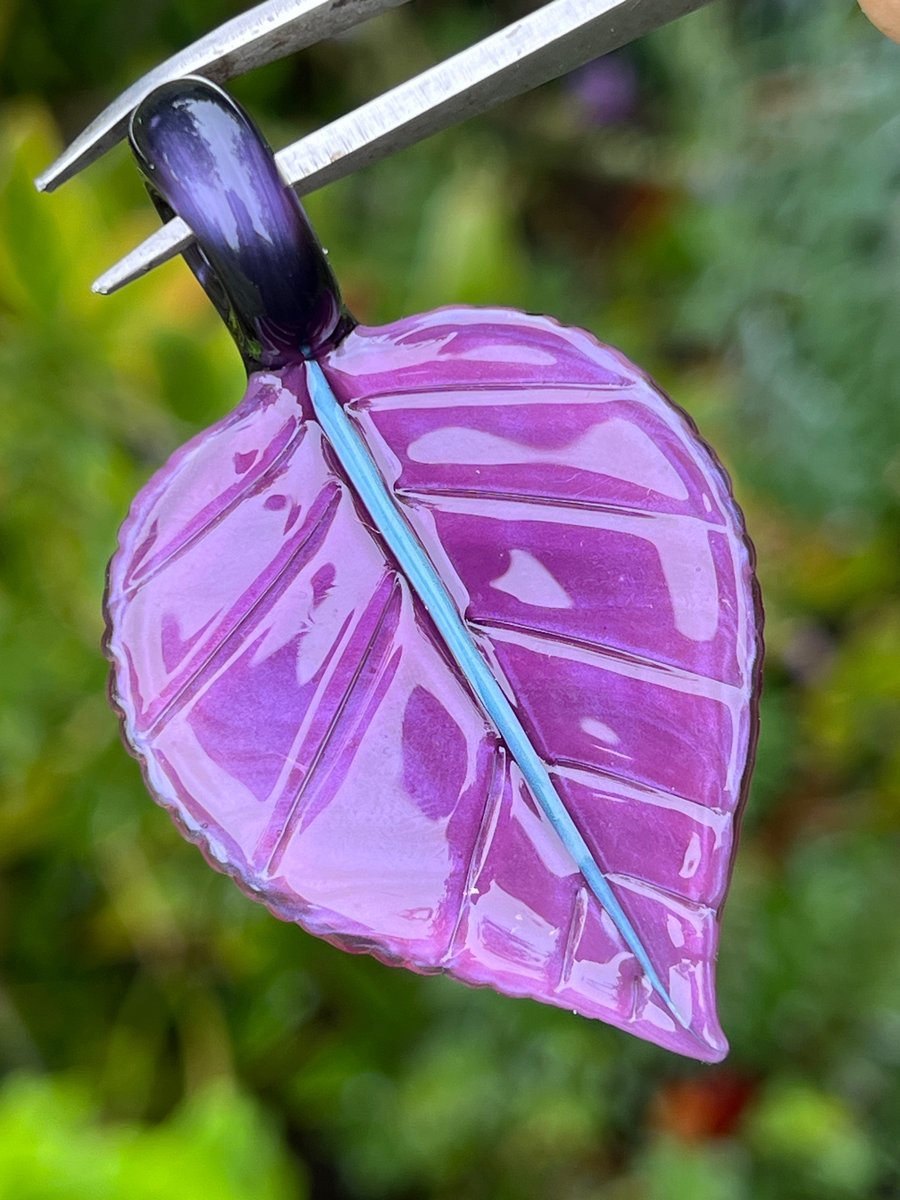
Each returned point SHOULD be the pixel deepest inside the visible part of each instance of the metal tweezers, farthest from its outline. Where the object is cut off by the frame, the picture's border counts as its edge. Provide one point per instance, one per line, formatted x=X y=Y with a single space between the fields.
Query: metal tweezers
x=555 y=39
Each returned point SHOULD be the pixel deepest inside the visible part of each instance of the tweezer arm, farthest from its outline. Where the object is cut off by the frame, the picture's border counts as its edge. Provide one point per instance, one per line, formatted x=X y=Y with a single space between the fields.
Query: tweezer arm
x=557 y=38
x=261 y=35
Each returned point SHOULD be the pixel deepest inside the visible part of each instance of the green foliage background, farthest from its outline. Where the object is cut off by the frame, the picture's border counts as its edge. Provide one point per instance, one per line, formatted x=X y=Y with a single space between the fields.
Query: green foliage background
x=739 y=235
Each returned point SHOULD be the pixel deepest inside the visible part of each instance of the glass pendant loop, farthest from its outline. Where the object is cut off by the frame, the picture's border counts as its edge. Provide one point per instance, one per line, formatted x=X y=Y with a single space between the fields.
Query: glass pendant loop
x=256 y=254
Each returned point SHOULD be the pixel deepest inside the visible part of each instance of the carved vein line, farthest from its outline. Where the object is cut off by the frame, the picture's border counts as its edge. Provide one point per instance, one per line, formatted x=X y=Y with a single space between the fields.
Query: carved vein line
x=634 y=789
x=524 y=393
x=673 y=901
x=216 y=519
x=330 y=667
x=246 y=624
x=481 y=844
x=290 y=819
x=621 y=662
x=577 y=922
x=579 y=504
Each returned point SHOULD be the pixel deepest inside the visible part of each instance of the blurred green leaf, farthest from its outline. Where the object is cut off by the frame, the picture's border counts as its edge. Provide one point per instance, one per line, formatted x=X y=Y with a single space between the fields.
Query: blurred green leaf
x=794 y=181
x=679 y=1171
x=815 y=1138
x=217 y=1144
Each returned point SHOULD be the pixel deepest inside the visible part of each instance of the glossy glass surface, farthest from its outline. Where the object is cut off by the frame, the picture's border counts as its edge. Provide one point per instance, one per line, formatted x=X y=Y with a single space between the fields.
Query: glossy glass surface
x=296 y=711
x=256 y=253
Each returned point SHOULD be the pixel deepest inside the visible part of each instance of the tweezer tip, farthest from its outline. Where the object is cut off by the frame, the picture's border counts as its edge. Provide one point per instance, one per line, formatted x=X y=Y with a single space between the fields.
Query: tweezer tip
x=45 y=181
x=62 y=168
x=114 y=278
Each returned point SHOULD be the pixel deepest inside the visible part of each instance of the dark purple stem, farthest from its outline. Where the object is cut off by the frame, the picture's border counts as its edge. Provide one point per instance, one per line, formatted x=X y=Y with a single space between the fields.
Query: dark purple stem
x=256 y=254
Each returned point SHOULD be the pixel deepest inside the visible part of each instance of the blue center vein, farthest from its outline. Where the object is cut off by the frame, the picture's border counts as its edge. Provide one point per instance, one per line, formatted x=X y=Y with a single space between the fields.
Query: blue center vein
x=368 y=484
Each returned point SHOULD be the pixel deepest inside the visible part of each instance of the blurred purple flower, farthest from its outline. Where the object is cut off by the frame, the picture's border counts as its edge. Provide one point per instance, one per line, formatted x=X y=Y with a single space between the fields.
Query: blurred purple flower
x=606 y=90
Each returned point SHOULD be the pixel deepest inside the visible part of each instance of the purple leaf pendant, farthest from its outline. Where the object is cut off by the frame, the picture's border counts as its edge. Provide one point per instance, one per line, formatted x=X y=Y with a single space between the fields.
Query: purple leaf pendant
x=446 y=643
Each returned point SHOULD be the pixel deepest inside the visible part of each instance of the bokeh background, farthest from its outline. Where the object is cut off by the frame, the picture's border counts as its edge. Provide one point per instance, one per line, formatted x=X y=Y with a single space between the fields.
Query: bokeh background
x=723 y=203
